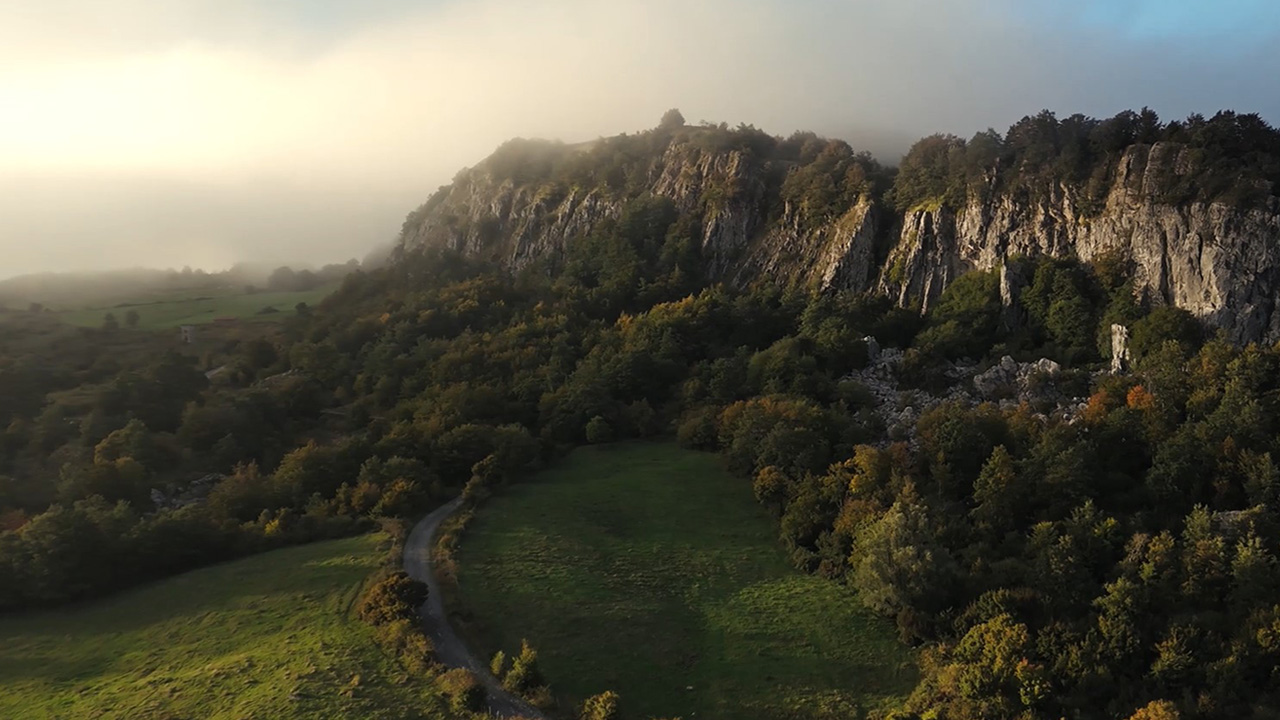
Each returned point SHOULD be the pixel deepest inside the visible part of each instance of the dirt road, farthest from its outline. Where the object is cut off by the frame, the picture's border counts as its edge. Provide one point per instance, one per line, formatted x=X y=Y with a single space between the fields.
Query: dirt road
x=450 y=649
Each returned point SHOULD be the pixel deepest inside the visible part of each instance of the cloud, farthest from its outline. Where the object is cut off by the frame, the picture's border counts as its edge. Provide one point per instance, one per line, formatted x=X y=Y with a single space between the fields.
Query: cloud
x=152 y=131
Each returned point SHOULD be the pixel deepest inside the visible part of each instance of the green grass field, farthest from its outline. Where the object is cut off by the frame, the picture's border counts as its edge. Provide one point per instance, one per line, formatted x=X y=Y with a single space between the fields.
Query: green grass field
x=270 y=636
x=648 y=570
x=195 y=307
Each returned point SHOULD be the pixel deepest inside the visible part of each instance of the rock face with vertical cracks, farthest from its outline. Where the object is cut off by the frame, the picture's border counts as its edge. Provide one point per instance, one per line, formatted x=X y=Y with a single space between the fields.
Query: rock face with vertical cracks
x=1215 y=260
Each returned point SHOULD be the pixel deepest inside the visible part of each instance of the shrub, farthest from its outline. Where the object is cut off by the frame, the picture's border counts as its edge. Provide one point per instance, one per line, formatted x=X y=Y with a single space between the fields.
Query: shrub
x=394 y=597
x=601 y=707
x=524 y=675
x=406 y=640
x=464 y=690
x=698 y=431
x=599 y=431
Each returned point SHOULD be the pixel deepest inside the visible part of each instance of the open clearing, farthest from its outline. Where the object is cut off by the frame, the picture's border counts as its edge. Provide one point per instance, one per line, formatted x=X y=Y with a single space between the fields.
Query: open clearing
x=196 y=307
x=270 y=636
x=648 y=570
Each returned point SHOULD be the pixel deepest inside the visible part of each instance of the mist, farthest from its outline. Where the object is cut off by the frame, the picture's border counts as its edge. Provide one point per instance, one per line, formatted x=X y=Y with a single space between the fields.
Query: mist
x=185 y=132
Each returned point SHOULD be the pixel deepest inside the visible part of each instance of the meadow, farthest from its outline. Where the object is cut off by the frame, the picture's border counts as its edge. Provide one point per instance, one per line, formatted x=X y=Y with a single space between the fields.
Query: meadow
x=648 y=570
x=270 y=636
x=165 y=310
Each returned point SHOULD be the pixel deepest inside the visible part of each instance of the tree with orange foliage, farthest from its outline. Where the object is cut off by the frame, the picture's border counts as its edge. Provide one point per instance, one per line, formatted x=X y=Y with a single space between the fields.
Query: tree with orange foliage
x=1157 y=710
x=1100 y=405
x=1140 y=399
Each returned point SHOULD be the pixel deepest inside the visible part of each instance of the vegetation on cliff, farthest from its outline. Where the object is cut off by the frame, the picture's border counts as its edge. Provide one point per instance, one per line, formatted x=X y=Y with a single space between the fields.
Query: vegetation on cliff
x=1231 y=158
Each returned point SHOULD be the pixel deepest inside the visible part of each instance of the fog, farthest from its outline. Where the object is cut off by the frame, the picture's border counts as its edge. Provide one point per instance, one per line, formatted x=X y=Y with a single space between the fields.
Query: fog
x=193 y=132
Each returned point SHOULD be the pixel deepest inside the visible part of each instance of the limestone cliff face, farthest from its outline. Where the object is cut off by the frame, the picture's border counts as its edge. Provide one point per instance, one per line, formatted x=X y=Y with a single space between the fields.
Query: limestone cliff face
x=1221 y=263
x=516 y=224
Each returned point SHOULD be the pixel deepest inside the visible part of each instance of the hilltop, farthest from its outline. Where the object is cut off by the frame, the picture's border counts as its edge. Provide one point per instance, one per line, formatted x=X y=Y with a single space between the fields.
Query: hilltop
x=1190 y=204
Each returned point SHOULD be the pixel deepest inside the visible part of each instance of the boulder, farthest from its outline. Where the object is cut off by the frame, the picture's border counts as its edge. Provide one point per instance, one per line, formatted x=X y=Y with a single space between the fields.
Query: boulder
x=873 y=348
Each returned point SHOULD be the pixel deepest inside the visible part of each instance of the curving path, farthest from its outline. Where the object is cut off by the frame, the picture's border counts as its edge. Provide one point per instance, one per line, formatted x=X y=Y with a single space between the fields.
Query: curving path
x=450 y=649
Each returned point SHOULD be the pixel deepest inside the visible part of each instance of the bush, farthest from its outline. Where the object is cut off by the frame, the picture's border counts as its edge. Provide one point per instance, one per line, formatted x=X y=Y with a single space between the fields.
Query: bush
x=394 y=597
x=465 y=692
x=498 y=665
x=698 y=431
x=599 y=431
x=601 y=707
x=524 y=675
x=406 y=640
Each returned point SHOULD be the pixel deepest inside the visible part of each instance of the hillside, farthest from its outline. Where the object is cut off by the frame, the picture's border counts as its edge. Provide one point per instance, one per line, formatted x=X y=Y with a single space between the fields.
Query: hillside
x=270 y=636
x=1190 y=204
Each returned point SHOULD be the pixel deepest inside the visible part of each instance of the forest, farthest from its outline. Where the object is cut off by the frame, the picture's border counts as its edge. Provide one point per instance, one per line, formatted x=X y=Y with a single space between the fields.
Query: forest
x=1115 y=562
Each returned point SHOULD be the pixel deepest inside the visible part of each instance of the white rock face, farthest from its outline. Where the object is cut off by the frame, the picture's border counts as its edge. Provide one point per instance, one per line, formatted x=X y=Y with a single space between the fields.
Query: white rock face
x=1219 y=262
x=517 y=224
x=1119 y=349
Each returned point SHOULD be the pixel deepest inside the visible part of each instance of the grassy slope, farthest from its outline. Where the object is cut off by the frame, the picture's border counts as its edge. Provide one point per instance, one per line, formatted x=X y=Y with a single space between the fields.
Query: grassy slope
x=270 y=636
x=194 y=307
x=648 y=570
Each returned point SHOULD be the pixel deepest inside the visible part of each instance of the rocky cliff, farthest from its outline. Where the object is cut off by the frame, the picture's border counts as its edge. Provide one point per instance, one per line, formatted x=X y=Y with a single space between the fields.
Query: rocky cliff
x=1217 y=260
x=485 y=214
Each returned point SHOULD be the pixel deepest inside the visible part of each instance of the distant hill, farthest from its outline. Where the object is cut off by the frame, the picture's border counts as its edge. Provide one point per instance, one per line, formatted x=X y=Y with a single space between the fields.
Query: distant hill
x=74 y=290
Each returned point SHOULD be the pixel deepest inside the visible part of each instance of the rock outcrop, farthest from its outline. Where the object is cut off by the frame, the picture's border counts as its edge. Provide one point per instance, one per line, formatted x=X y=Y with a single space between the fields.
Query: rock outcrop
x=1037 y=385
x=1008 y=378
x=498 y=219
x=1119 y=348
x=1220 y=262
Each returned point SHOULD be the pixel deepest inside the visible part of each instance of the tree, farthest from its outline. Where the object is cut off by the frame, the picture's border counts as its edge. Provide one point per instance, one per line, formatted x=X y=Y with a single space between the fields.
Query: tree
x=1162 y=325
x=772 y=488
x=109 y=322
x=964 y=321
x=135 y=441
x=926 y=174
x=131 y=318
x=283 y=278
x=1157 y=710
x=671 y=120
x=599 y=431
x=990 y=654
x=900 y=566
x=996 y=492
x=395 y=597
x=1255 y=578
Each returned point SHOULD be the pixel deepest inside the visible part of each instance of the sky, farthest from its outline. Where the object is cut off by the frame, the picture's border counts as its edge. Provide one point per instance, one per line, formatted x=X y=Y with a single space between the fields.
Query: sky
x=167 y=133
